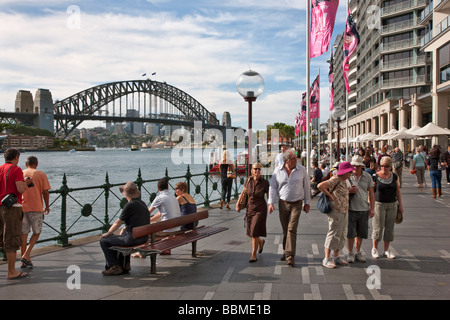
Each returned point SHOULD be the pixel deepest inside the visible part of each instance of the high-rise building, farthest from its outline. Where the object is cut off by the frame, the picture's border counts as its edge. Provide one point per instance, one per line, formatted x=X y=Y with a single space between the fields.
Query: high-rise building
x=390 y=73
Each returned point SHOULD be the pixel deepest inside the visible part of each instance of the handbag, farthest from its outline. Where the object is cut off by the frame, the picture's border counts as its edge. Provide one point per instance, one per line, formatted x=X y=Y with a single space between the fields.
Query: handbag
x=231 y=174
x=243 y=198
x=10 y=199
x=399 y=217
x=324 y=204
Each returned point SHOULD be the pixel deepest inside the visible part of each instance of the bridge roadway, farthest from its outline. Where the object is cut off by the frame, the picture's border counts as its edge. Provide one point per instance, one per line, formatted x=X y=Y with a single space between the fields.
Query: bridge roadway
x=420 y=271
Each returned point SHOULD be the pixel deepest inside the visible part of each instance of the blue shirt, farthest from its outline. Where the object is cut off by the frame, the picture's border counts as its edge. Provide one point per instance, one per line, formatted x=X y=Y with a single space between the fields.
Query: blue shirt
x=290 y=188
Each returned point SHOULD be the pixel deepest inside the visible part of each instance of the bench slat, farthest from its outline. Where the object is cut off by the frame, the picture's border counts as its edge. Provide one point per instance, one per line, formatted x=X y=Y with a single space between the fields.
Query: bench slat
x=179 y=240
x=142 y=231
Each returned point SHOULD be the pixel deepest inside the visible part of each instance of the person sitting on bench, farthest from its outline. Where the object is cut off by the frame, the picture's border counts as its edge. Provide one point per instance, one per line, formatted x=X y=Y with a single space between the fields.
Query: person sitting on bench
x=167 y=206
x=134 y=214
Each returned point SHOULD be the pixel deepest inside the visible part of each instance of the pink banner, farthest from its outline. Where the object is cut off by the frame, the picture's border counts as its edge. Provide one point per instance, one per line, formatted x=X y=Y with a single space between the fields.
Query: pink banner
x=323 y=16
x=351 y=41
x=314 y=98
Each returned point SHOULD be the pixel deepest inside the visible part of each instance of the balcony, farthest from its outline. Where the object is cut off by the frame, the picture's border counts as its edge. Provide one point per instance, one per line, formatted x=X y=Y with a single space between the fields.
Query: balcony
x=399 y=26
x=403 y=63
x=404 y=82
x=399 y=45
x=403 y=6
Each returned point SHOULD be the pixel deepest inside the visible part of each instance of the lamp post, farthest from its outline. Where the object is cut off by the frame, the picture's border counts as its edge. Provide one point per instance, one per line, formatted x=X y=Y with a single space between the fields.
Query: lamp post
x=323 y=131
x=338 y=115
x=250 y=85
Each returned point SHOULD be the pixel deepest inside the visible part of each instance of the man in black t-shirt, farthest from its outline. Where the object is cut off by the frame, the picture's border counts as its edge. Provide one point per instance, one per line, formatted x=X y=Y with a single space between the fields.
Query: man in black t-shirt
x=134 y=214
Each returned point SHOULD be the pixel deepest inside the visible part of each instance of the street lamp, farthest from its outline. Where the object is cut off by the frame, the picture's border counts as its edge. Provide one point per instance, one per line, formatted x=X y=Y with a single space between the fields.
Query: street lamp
x=250 y=85
x=338 y=114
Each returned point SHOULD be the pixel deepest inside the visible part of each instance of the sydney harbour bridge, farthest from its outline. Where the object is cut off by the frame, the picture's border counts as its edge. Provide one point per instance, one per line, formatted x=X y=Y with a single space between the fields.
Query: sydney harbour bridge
x=115 y=102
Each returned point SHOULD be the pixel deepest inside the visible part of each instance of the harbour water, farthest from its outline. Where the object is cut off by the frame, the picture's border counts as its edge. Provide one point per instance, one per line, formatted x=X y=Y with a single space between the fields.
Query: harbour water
x=87 y=169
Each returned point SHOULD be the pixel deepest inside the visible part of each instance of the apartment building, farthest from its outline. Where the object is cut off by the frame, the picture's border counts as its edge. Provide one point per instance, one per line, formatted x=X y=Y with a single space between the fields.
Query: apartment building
x=391 y=73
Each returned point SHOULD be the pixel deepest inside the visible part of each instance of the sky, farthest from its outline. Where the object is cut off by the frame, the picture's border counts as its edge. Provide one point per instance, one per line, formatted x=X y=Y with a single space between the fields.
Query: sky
x=201 y=47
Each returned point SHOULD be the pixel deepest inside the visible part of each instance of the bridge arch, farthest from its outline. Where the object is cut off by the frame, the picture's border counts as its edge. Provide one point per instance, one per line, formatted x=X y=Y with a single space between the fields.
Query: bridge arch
x=72 y=111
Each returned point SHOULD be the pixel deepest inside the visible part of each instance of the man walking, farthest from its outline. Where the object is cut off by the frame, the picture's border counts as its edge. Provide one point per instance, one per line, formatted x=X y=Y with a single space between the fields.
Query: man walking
x=361 y=208
x=397 y=163
x=290 y=182
x=12 y=183
x=33 y=208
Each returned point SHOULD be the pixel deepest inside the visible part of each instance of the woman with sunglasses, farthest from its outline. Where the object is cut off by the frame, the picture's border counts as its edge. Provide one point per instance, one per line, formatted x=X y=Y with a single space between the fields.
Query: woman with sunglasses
x=255 y=218
x=388 y=201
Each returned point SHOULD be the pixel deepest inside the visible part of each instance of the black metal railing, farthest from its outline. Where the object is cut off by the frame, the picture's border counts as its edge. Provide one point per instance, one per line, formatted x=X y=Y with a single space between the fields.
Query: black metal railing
x=92 y=209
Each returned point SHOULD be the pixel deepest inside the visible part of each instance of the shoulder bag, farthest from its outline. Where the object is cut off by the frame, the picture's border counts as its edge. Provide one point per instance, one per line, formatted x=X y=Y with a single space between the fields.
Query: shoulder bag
x=11 y=198
x=324 y=204
x=243 y=198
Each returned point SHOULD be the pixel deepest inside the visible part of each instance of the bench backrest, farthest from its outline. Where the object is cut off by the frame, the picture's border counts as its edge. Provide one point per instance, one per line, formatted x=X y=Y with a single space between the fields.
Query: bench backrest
x=142 y=231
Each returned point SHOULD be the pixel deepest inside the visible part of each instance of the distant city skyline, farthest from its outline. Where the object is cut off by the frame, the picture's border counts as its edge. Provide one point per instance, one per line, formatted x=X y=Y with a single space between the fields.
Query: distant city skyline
x=200 y=48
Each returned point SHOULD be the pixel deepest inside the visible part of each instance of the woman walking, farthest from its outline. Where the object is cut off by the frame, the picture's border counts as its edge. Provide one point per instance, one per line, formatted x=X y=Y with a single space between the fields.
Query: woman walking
x=256 y=188
x=388 y=202
x=226 y=167
x=419 y=166
x=435 y=165
x=338 y=217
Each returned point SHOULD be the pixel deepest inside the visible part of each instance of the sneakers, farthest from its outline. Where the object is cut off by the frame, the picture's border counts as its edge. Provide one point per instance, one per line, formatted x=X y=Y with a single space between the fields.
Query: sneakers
x=388 y=254
x=327 y=263
x=375 y=253
x=334 y=262
x=359 y=257
x=339 y=261
x=351 y=257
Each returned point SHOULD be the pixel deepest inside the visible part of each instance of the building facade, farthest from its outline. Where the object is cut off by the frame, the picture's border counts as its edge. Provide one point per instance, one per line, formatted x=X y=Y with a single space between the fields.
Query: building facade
x=393 y=74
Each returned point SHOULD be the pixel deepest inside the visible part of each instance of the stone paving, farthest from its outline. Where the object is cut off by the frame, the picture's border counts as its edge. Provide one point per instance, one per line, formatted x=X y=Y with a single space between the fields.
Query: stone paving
x=222 y=272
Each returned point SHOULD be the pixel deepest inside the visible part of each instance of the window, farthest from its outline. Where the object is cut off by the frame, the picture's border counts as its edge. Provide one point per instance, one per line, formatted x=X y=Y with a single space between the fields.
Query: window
x=444 y=63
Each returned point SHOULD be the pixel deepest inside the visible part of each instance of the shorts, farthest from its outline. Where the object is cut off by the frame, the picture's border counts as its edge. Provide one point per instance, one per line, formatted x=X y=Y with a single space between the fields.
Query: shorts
x=358 y=224
x=32 y=220
x=10 y=228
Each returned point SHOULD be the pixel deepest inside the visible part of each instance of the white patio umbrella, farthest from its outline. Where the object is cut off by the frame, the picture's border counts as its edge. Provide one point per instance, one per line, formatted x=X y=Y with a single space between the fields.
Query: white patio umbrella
x=370 y=136
x=413 y=129
x=403 y=134
x=432 y=129
x=387 y=135
x=359 y=138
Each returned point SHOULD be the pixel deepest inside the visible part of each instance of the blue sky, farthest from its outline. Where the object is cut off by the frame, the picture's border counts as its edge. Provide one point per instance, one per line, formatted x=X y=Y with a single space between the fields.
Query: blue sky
x=200 y=47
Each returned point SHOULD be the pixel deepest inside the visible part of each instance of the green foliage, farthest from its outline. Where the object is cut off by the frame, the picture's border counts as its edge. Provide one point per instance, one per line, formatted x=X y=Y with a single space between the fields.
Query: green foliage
x=19 y=129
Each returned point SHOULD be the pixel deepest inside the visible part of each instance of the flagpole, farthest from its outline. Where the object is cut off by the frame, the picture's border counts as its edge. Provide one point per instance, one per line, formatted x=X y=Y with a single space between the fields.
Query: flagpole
x=331 y=119
x=346 y=115
x=318 y=123
x=308 y=98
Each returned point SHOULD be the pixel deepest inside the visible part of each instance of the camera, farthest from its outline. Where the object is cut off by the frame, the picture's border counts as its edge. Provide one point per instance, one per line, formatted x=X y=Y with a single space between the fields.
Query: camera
x=31 y=184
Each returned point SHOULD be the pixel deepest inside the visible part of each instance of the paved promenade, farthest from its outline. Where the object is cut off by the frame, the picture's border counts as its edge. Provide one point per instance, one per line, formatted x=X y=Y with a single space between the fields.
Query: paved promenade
x=420 y=271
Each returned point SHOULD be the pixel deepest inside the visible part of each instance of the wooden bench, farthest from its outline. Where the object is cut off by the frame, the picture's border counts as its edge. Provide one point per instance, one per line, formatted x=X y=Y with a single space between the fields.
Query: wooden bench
x=157 y=245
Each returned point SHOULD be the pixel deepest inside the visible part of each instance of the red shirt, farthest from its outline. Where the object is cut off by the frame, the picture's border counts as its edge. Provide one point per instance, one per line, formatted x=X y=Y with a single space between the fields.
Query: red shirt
x=15 y=174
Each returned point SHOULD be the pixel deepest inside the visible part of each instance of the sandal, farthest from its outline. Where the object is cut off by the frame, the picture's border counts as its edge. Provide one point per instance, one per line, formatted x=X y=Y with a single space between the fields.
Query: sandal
x=26 y=263
x=20 y=276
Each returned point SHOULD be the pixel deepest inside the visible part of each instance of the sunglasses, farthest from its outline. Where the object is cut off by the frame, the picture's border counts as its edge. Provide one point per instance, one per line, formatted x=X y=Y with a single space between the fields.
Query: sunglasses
x=385 y=165
x=257 y=169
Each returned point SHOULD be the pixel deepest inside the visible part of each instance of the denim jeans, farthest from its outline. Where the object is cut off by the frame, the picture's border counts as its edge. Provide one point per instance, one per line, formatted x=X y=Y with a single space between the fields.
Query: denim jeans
x=436 y=179
x=126 y=240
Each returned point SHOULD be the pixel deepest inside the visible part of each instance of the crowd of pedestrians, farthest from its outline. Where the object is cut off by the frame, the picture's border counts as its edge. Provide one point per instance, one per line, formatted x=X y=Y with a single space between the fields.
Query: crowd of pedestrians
x=367 y=187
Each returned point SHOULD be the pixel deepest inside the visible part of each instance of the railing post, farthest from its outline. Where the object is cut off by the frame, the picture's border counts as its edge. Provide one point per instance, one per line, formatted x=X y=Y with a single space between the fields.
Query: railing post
x=63 y=238
x=188 y=179
x=107 y=187
x=139 y=181
x=206 y=187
